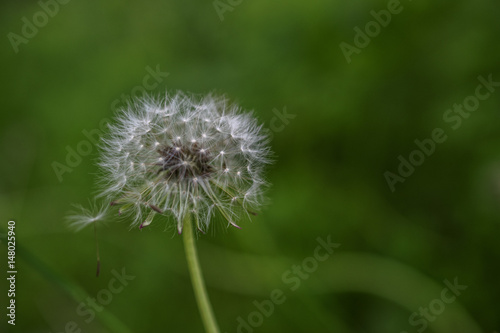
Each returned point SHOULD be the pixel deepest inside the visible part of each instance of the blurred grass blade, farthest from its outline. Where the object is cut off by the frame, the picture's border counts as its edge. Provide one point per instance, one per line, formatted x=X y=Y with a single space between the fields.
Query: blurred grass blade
x=110 y=321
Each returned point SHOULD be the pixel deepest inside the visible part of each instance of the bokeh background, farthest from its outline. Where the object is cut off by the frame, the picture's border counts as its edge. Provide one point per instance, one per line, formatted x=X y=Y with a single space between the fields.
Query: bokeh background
x=349 y=123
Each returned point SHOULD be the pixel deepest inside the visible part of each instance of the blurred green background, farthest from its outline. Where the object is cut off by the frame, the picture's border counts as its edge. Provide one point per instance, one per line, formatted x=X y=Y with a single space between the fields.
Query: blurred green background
x=351 y=122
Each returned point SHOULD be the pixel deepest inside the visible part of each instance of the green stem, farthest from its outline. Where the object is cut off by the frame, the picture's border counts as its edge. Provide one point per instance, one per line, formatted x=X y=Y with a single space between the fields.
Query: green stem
x=207 y=314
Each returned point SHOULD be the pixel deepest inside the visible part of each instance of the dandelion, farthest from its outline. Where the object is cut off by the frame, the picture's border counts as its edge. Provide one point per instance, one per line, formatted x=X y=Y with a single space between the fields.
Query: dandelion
x=184 y=156
x=189 y=158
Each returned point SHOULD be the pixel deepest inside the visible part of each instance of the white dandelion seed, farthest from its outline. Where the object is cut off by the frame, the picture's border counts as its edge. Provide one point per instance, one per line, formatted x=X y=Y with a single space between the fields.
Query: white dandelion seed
x=175 y=156
x=82 y=217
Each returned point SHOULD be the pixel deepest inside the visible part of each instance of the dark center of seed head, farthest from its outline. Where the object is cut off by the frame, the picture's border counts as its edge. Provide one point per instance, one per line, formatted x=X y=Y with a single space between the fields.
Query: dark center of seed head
x=181 y=162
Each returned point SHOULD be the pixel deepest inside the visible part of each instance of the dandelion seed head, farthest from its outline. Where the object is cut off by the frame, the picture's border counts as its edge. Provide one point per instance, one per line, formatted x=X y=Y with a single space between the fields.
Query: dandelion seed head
x=186 y=148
